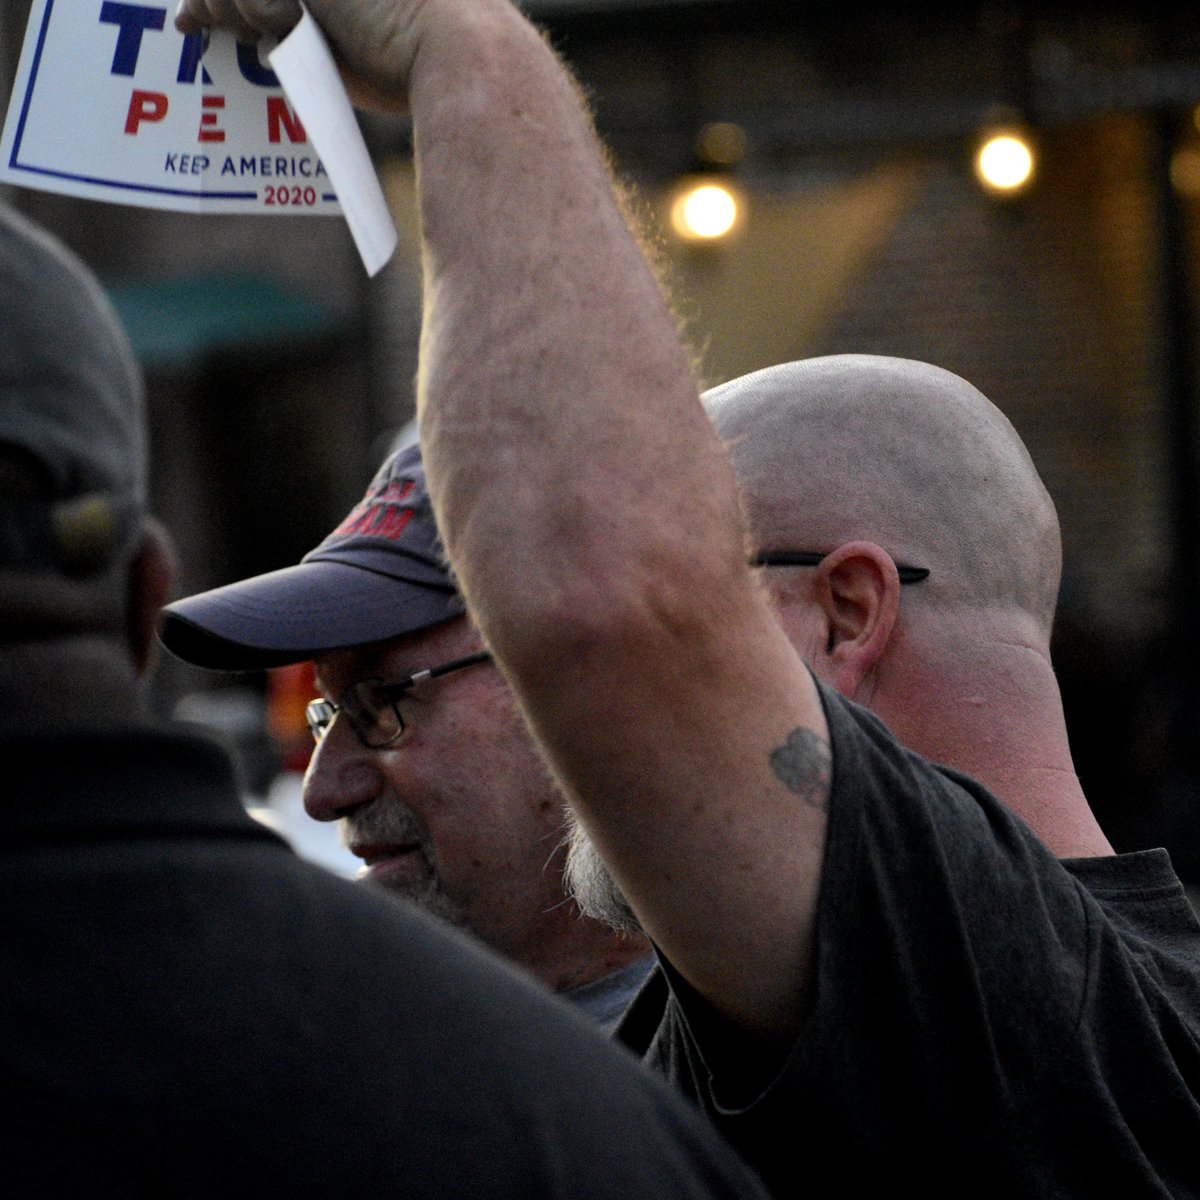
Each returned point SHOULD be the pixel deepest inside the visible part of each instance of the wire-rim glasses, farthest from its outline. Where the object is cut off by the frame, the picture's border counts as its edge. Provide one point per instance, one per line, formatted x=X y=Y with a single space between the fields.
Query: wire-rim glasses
x=371 y=705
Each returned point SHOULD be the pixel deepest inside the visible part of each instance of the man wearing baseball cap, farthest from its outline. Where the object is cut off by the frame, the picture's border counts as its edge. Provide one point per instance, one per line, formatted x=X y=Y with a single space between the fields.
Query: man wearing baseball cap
x=422 y=754
x=188 y=1009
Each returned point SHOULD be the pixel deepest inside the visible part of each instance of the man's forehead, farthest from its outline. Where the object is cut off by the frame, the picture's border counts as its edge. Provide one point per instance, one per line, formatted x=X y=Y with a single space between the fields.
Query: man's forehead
x=393 y=657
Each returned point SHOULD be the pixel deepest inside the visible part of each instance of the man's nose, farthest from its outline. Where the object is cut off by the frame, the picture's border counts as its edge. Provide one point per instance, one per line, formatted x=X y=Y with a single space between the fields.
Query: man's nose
x=342 y=775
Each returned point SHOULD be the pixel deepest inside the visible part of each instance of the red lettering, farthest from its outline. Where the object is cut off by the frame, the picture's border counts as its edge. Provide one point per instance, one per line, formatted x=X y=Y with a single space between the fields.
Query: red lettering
x=392 y=526
x=209 y=119
x=376 y=520
x=145 y=106
x=347 y=526
x=395 y=492
x=281 y=119
x=378 y=514
x=361 y=523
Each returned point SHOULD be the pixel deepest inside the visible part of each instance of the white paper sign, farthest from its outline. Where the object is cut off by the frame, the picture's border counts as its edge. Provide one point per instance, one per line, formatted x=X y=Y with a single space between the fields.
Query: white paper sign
x=112 y=103
x=309 y=75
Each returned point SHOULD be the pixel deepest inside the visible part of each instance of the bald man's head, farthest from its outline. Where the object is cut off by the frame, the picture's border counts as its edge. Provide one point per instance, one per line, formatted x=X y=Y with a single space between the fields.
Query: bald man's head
x=900 y=453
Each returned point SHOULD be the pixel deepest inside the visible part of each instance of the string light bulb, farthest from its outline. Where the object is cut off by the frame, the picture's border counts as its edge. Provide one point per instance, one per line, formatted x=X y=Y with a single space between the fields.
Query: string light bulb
x=1005 y=161
x=705 y=210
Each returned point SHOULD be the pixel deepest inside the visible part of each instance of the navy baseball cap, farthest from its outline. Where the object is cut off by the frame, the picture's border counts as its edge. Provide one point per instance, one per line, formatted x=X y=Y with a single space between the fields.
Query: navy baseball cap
x=380 y=574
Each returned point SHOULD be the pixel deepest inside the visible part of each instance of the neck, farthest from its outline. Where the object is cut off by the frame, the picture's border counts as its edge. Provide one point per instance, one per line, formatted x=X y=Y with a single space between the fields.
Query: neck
x=999 y=719
x=77 y=682
x=600 y=952
x=567 y=950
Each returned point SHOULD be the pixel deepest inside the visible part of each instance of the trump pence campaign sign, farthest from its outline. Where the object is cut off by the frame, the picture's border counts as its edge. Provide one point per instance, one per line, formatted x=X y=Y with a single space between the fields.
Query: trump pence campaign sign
x=112 y=103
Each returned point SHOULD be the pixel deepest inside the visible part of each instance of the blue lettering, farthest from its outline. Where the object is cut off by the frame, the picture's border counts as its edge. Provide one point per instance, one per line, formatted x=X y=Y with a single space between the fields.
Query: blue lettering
x=320 y=168
x=249 y=167
x=191 y=164
x=252 y=69
x=227 y=167
x=134 y=20
x=189 y=59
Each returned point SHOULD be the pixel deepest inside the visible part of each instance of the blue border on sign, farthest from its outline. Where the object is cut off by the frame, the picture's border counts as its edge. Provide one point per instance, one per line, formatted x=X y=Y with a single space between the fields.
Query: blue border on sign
x=139 y=187
x=93 y=180
x=37 y=62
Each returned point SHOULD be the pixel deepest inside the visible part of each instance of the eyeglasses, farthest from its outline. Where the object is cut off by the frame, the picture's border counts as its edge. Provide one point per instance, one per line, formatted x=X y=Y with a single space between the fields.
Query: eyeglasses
x=371 y=705
x=810 y=558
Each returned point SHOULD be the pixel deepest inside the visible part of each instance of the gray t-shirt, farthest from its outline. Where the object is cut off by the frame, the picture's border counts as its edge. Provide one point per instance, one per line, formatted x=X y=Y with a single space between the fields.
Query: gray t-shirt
x=985 y=1020
x=605 y=999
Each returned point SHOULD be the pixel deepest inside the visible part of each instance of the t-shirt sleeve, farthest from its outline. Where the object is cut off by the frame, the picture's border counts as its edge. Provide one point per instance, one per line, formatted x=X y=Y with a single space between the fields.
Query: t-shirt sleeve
x=950 y=966
x=945 y=929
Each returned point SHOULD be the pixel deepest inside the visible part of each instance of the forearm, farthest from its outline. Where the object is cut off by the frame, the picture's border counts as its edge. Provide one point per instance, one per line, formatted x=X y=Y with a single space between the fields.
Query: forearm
x=552 y=372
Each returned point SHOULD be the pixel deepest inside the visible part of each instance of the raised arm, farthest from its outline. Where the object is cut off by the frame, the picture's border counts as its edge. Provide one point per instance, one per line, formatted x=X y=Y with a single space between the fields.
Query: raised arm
x=588 y=507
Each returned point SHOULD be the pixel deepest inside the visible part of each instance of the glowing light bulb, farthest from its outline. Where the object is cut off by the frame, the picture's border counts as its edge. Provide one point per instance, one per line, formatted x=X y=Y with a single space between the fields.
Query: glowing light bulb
x=704 y=212
x=1005 y=163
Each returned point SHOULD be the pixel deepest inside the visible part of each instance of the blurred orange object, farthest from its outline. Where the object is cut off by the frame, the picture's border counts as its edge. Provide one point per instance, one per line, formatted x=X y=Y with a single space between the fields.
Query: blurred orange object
x=289 y=689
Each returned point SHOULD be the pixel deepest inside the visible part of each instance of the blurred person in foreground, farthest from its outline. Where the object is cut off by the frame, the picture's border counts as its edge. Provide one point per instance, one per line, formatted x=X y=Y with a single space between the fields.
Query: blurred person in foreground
x=422 y=755
x=875 y=970
x=188 y=1008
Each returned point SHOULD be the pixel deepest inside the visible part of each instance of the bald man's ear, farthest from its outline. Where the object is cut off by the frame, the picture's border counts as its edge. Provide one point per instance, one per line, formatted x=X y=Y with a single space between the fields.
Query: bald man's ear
x=151 y=576
x=858 y=590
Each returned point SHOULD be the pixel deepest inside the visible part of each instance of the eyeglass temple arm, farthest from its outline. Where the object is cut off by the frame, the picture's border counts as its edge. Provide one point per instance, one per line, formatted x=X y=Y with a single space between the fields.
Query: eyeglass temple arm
x=443 y=669
x=810 y=558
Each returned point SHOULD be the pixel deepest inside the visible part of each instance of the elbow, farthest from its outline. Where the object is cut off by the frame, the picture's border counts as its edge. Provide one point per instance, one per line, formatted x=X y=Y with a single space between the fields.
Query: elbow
x=593 y=622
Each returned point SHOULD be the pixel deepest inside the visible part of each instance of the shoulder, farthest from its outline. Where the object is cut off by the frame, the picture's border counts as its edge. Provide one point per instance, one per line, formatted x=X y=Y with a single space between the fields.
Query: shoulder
x=319 y=1034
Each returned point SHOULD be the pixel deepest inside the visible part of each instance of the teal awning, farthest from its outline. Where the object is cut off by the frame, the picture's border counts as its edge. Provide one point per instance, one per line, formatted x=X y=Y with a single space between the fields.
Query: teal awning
x=174 y=322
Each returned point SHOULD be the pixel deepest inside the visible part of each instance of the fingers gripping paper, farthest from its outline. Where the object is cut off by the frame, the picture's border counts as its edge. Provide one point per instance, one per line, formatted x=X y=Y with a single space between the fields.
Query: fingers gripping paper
x=112 y=103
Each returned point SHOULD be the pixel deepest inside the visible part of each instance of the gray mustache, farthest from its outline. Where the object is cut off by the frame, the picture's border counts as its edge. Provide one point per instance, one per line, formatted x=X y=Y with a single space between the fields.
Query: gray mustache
x=382 y=823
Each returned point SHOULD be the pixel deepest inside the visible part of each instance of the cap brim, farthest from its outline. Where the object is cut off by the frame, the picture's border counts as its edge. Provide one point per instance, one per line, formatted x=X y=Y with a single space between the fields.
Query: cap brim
x=294 y=614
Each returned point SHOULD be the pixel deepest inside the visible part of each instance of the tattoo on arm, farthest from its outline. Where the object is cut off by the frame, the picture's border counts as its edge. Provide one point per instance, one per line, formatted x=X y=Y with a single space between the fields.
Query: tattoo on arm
x=803 y=764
